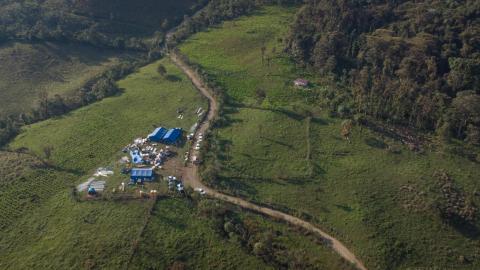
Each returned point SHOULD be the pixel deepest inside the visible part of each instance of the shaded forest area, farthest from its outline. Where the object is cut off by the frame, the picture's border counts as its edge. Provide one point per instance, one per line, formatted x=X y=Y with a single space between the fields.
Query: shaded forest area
x=109 y=24
x=411 y=63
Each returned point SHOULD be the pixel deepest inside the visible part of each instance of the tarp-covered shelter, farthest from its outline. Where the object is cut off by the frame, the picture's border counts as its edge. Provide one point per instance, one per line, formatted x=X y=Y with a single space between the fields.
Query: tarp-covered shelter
x=172 y=135
x=142 y=174
x=136 y=158
x=157 y=134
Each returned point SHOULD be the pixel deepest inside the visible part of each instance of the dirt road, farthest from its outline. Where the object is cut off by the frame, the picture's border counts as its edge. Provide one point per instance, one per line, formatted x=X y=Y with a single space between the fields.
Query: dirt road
x=190 y=177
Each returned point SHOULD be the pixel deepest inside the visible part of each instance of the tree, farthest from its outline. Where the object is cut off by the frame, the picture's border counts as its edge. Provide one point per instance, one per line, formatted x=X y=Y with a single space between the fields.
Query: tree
x=165 y=24
x=274 y=50
x=260 y=95
x=279 y=40
x=269 y=58
x=263 y=49
x=48 y=149
x=119 y=43
x=161 y=70
x=229 y=227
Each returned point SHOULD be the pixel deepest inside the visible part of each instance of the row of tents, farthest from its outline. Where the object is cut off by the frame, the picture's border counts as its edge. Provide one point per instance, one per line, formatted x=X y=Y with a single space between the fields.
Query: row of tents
x=163 y=135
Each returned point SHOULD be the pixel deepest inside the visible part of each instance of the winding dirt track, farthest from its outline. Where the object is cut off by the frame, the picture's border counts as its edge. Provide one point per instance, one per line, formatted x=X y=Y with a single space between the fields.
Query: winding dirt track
x=190 y=176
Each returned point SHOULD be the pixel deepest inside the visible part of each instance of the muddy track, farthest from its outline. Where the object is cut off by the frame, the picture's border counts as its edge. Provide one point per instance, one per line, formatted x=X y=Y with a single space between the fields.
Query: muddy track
x=190 y=176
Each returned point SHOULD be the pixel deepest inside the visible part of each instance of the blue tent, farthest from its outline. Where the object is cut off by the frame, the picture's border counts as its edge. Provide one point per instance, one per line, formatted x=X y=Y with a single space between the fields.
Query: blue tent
x=157 y=134
x=136 y=158
x=172 y=135
x=143 y=174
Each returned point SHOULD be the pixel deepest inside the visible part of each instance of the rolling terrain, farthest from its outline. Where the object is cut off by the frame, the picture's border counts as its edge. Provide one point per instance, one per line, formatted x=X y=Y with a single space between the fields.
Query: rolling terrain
x=375 y=191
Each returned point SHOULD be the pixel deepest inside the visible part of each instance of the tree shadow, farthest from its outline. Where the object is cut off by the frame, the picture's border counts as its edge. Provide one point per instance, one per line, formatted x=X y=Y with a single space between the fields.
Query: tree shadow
x=173 y=78
x=281 y=143
x=372 y=142
x=344 y=207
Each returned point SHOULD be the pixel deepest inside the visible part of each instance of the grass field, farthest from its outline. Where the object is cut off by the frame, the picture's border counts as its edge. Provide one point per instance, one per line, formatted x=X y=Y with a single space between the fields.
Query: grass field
x=377 y=202
x=95 y=134
x=43 y=227
x=175 y=234
x=56 y=236
x=28 y=69
x=14 y=165
x=231 y=54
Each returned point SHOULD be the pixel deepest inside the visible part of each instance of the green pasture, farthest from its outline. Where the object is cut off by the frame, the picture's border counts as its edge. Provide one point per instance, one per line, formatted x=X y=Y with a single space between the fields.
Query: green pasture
x=174 y=233
x=231 y=54
x=350 y=189
x=14 y=165
x=354 y=188
x=28 y=69
x=64 y=234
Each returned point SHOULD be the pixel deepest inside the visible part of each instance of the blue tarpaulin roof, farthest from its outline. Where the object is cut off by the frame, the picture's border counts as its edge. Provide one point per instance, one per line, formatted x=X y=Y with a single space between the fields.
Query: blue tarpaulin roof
x=172 y=135
x=141 y=173
x=136 y=158
x=158 y=134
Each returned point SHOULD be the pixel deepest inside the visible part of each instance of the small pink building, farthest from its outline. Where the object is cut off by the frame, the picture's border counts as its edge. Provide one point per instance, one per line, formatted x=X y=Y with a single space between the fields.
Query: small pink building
x=300 y=82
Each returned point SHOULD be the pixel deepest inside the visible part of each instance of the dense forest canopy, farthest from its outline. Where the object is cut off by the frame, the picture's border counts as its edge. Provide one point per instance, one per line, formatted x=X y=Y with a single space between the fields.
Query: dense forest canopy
x=415 y=63
x=106 y=23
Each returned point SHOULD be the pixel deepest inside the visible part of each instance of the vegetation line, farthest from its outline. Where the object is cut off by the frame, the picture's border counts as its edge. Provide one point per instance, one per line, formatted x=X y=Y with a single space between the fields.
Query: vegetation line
x=190 y=177
x=137 y=240
x=310 y=170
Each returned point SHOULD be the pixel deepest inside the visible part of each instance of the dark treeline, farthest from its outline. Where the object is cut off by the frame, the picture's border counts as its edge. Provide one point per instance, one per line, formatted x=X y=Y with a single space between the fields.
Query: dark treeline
x=415 y=63
x=75 y=21
x=216 y=11
x=47 y=106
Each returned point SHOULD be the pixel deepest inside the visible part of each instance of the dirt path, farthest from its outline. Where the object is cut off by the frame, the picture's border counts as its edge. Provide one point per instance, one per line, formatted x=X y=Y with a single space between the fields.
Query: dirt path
x=189 y=175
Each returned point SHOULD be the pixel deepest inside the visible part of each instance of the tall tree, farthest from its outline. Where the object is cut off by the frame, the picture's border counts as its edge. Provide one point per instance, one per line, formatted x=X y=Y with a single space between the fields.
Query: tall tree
x=263 y=49
x=161 y=70
x=260 y=95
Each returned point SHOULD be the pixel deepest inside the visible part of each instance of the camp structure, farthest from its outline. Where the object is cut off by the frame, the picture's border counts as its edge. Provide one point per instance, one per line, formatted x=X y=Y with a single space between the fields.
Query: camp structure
x=157 y=134
x=136 y=158
x=142 y=174
x=172 y=135
x=300 y=82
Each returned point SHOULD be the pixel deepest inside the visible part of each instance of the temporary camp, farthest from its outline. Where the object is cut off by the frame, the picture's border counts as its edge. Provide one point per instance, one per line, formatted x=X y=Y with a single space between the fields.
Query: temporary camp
x=157 y=134
x=172 y=135
x=142 y=174
x=136 y=158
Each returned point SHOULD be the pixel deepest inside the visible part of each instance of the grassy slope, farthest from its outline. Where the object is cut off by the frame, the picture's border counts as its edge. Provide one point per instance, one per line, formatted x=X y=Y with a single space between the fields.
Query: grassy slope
x=55 y=235
x=174 y=233
x=13 y=165
x=91 y=135
x=232 y=55
x=107 y=127
x=30 y=68
x=362 y=198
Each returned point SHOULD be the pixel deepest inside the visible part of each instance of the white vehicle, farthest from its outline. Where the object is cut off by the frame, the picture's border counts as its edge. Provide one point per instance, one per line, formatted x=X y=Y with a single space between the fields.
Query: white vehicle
x=198 y=146
x=200 y=137
x=200 y=190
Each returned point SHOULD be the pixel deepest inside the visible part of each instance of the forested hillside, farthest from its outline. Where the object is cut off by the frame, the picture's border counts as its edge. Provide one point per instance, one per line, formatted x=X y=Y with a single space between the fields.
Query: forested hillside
x=414 y=63
x=105 y=23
